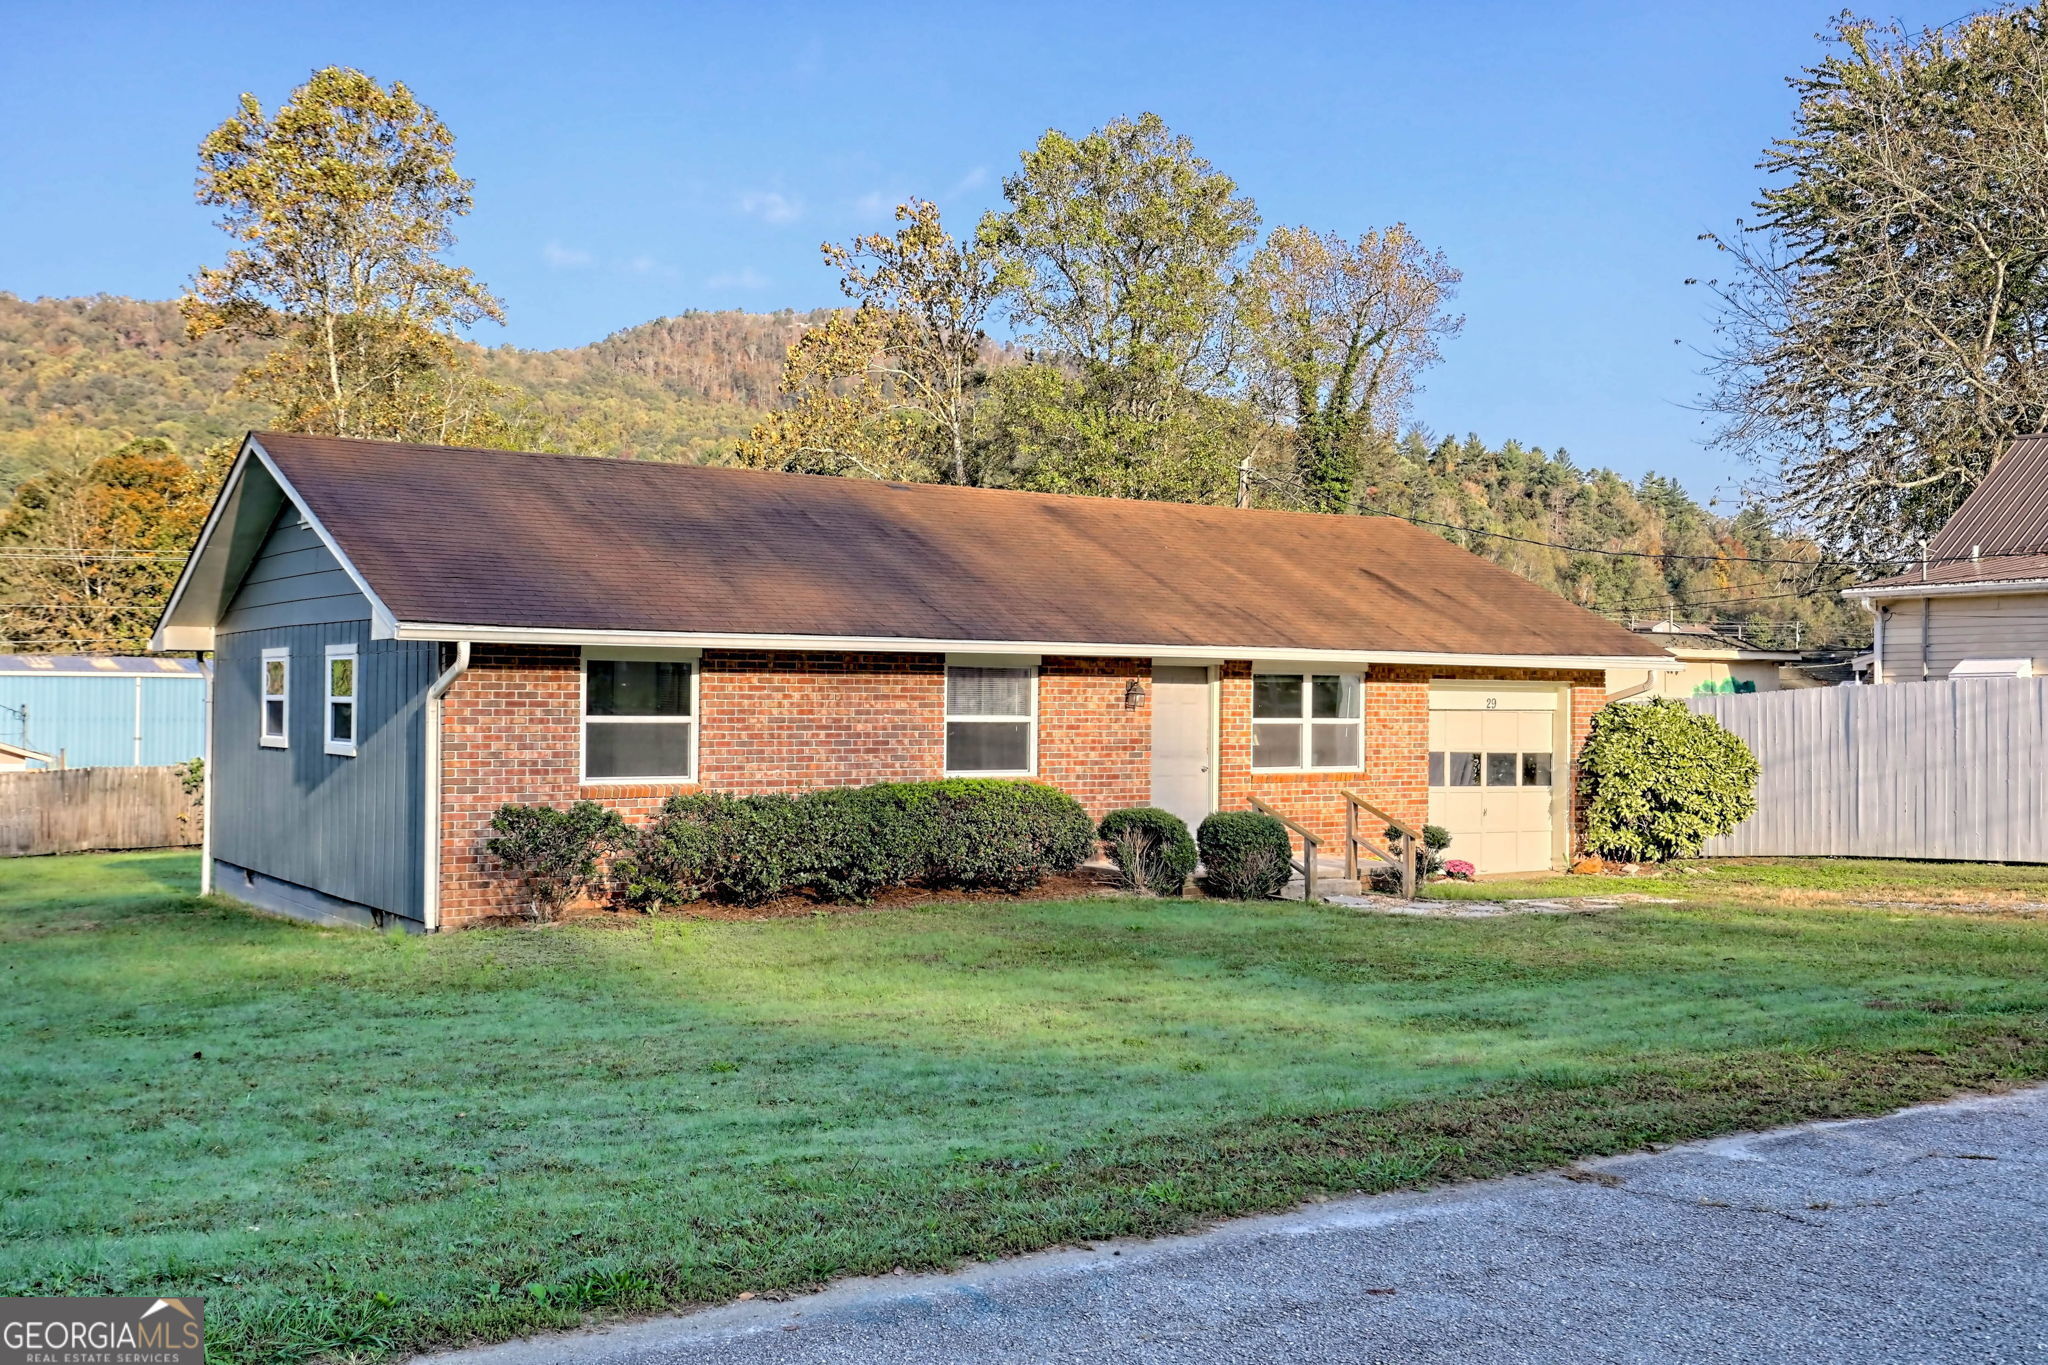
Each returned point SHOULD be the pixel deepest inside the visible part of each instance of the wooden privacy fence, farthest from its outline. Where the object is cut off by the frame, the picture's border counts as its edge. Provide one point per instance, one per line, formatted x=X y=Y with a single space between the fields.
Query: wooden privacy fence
x=75 y=809
x=1902 y=770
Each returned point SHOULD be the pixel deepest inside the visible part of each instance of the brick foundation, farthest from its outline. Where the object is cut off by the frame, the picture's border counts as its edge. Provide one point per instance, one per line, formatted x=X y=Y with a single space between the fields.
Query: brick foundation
x=795 y=721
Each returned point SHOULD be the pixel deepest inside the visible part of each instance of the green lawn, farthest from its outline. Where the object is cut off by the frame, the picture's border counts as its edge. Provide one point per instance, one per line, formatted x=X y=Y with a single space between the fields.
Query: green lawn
x=354 y=1144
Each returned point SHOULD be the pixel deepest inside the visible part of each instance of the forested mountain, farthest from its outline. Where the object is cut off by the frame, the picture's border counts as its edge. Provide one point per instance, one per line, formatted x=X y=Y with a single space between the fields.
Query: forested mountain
x=80 y=377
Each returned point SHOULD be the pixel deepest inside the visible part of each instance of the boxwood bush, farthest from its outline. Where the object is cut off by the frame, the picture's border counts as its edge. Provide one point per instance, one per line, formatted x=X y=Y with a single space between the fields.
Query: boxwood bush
x=846 y=844
x=1152 y=848
x=553 y=854
x=1006 y=836
x=1245 y=855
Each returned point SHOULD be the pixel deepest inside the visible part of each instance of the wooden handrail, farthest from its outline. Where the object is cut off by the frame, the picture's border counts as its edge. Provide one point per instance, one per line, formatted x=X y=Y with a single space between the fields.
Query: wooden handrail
x=1353 y=841
x=1309 y=845
x=1355 y=799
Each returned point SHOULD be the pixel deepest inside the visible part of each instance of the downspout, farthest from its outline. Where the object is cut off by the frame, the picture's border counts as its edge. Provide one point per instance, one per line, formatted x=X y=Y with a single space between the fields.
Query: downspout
x=430 y=901
x=206 y=784
x=1880 y=611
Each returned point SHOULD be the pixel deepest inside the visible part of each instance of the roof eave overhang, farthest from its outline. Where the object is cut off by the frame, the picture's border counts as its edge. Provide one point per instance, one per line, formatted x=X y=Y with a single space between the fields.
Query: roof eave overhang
x=227 y=544
x=870 y=644
x=1988 y=588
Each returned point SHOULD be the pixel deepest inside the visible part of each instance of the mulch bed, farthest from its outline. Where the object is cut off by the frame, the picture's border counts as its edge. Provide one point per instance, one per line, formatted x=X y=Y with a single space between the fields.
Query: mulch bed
x=1086 y=884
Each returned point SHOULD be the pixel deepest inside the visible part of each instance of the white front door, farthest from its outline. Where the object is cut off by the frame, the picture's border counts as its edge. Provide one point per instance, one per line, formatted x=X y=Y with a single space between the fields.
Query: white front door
x=1494 y=766
x=1180 y=742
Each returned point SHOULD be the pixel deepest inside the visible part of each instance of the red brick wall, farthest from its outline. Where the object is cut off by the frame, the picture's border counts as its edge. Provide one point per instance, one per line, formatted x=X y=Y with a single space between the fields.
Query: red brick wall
x=793 y=721
x=1396 y=773
x=1094 y=736
x=512 y=731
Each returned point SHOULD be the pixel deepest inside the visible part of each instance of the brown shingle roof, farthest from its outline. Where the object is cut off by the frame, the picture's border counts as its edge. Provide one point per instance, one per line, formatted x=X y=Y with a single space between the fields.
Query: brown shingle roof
x=1999 y=534
x=475 y=537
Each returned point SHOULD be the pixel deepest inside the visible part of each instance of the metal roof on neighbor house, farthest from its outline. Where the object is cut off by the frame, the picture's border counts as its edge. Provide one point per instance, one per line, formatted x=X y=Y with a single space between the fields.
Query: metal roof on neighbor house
x=97 y=665
x=556 y=542
x=1998 y=535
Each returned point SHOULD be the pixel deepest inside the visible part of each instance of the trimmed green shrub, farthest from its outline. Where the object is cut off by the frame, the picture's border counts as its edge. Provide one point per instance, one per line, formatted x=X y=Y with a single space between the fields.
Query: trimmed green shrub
x=671 y=858
x=1245 y=855
x=1428 y=859
x=554 y=854
x=1658 y=781
x=1152 y=848
x=761 y=846
x=1008 y=836
x=859 y=840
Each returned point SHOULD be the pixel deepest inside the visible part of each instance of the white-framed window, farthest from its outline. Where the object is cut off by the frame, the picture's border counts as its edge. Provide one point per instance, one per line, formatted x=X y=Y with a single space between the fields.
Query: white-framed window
x=274 y=683
x=343 y=678
x=1307 y=722
x=639 y=716
x=991 y=720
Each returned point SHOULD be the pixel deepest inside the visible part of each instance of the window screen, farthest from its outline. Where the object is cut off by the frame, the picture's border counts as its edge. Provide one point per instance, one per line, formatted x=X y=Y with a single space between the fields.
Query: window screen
x=637 y=721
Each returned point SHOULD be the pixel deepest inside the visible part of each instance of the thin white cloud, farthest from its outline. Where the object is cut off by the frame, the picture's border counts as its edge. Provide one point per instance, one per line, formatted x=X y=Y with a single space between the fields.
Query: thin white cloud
x=973 y=180
x=771 y=206
x=647 y=265
x=875 y=204
x=566 y=257
x=746 y=277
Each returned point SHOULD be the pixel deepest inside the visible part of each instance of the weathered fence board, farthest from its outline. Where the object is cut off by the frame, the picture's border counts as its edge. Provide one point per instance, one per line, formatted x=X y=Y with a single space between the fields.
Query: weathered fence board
x=1904 y=770
x=76 y=809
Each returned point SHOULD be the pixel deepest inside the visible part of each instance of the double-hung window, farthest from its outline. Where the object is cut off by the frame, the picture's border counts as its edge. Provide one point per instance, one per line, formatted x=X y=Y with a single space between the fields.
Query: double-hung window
x=992 y=720
x=275 y=678
x=1307 y=722
x=639 y=719
x=341 y=700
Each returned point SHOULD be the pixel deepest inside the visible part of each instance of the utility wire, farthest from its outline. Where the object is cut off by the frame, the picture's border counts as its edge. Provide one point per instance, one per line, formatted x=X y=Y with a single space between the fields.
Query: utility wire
x=1653 y=554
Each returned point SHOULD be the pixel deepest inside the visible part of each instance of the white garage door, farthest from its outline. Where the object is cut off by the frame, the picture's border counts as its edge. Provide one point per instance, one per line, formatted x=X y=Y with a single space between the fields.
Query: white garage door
x=1492 y=762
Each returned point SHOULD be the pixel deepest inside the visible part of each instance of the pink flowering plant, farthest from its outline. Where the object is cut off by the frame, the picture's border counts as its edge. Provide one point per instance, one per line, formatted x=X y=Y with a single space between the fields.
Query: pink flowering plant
x=1457 y=869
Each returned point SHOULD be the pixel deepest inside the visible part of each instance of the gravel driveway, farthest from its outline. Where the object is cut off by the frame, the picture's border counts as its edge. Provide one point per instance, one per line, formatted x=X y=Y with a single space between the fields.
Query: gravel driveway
x=1921 y=1236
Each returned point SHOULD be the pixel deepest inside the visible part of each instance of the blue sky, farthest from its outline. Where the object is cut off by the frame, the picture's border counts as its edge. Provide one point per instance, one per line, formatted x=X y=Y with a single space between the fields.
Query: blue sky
x=638 y=160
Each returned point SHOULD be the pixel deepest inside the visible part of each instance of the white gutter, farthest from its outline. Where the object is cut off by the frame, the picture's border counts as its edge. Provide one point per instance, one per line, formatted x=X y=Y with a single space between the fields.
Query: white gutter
x=1986 y=589
x=430 y=903
x=1198 y=653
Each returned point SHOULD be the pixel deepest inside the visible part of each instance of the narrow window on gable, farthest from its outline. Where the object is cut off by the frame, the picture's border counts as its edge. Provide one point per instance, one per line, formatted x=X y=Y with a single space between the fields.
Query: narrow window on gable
x=991 y=721
x=275 y=681
x=341 y=700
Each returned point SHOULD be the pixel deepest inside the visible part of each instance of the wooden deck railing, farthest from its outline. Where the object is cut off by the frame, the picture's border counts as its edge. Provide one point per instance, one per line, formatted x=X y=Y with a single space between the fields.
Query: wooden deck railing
x=1401 y=858
x=1309 y=845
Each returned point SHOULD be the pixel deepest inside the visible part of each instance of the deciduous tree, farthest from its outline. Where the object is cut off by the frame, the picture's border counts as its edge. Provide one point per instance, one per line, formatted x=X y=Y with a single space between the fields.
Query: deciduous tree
x=1336 y=332
x=1886 y=318
x=342 y=203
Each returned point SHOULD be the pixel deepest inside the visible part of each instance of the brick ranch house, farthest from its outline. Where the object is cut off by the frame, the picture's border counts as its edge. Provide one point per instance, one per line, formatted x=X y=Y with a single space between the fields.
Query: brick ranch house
x=407 y=636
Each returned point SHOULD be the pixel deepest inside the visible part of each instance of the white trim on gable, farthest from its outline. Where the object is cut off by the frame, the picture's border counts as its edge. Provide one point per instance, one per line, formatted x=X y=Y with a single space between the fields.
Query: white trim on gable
x=213 y=562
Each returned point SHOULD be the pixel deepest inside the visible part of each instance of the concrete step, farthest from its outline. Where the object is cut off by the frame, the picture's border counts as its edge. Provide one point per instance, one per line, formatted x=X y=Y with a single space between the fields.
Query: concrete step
x=1325 y=886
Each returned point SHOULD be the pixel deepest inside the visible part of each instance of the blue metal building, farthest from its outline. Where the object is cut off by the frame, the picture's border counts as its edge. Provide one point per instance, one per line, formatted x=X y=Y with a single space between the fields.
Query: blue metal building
x=101 y=711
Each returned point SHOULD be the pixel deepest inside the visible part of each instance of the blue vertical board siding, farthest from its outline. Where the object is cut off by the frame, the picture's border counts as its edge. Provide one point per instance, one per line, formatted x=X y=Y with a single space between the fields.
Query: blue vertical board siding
x=92 y=720
x=352 y=828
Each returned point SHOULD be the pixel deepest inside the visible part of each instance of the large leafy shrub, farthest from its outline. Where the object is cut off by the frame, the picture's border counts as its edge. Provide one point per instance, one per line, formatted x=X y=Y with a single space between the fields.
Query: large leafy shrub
x=1152 y=848
x=1245 y=855
x=1657 y=781
x=553 y=854
x=1008 y=836
x=671 y=859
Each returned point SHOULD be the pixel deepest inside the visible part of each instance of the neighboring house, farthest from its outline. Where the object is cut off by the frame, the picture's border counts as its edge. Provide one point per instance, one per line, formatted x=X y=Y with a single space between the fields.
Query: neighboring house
x=1711 y=662
x=1978 y=604
x=406 y=637
x=15 y=758
x=104 y=711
